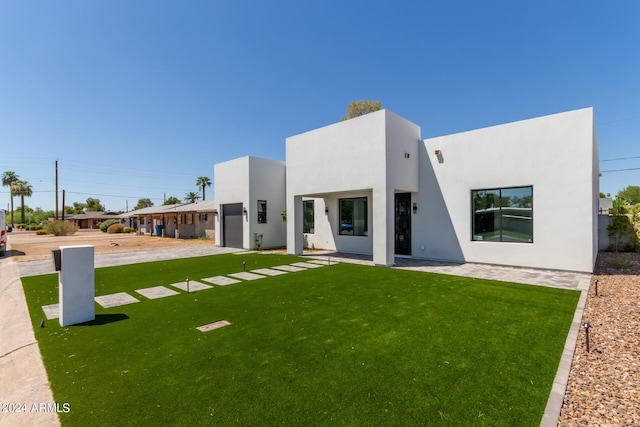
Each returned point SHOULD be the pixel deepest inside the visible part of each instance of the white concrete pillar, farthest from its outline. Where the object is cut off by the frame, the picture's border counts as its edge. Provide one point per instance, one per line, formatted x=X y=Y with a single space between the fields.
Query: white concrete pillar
x=295 y=214
x=76 y=285
x=383 y=228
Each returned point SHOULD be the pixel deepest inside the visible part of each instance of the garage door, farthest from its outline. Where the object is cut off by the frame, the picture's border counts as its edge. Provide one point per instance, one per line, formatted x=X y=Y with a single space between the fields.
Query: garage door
x=232 y=225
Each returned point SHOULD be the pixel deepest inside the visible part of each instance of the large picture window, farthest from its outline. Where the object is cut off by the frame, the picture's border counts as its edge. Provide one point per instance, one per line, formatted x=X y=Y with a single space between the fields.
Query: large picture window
x=503 y=214
x=353 y=217
x=308 y=220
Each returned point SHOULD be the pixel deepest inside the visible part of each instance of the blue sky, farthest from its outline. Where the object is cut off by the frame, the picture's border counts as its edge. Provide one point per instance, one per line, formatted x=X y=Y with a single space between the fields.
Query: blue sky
x=139 y=98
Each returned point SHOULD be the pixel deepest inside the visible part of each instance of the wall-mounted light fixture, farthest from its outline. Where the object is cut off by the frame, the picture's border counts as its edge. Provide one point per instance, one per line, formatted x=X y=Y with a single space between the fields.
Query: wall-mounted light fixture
x=415 y=207
x=244 y=211
x=407 y=155
x=438 y=152
x=326 y=210
x=215 y=212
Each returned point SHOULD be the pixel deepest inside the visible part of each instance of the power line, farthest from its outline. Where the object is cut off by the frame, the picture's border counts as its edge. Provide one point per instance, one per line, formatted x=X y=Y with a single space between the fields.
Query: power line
x=621 y=170
x=621 y=158
x=112 y=195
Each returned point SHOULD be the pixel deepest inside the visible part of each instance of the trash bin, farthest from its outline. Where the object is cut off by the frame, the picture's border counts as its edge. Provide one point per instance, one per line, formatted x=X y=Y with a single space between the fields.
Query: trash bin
x=159 y=230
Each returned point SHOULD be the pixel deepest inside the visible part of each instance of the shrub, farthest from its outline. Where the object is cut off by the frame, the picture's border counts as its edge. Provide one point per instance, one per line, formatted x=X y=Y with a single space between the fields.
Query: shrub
x=108 y=223
x=620 y=263
x=59 y=228
x=128 y=230
x=21 y=225
x=40 y=232
x=115 y=228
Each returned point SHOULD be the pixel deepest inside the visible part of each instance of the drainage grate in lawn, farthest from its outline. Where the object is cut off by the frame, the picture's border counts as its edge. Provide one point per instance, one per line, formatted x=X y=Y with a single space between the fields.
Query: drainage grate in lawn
x=211 y=326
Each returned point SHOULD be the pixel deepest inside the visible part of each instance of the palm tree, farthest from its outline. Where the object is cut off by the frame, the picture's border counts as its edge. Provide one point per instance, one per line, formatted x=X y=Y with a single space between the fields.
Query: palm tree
x=22 y=189
x=8 y=179
x=202 y=182
x=191 y=197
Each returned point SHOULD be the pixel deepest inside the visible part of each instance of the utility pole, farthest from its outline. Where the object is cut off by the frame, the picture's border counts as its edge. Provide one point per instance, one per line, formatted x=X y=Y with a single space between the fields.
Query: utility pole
x=62 y=204
x=56 y=216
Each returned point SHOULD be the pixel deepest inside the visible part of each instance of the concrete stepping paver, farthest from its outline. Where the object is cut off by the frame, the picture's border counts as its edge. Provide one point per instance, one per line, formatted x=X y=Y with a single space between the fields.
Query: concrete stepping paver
x=193 y=286
x=211 y=326
x=51 y=311
x=114 y=300
x=307 y=265
x=268 y=272
x=221 y=280
x=323 y=262
x=156 y=292
x=288 y=268
x=245 y=252
x=244 y=275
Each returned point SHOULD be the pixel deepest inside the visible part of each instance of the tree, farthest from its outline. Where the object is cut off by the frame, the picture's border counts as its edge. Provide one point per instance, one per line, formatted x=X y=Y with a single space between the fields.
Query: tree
x=93 y=205
x=203 y=181
x=172 y=200
x=620 y=227
x=192 y=197
x=619 y=206
x=8 y=179
x=77 y=208
x=631 y=194
x=143 y=203
x=360 y=108
x=22 y=189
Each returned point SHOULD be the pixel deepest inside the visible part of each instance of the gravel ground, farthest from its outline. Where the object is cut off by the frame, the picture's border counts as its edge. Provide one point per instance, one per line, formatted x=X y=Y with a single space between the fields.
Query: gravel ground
x=604 y=384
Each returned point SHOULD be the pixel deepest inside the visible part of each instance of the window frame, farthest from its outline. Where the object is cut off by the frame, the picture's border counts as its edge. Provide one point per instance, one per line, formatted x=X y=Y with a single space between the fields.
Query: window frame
x=476 y=237
x=353 y=227
x=308 y=227
x=261 y=212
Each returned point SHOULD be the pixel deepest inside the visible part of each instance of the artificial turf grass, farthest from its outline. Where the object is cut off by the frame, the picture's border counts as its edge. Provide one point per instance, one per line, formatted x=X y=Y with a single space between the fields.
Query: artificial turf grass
x=344 y=344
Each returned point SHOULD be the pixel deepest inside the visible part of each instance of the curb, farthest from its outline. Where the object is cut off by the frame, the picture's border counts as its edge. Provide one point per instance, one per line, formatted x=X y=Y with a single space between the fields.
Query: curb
x=556 y=397
x=23 y=378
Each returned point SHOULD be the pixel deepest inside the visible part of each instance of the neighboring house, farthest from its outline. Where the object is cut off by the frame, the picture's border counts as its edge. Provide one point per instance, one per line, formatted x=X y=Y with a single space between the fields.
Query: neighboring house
x=179 y=220
x=191 y=220
x=250 y=200
x=371 y=185
x=606 y=205
x=90 y=220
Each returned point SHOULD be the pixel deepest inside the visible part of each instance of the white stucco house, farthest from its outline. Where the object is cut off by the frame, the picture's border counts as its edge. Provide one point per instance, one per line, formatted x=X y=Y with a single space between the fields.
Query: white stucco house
x=372 y=185
x=493 y=195
x=250 y=199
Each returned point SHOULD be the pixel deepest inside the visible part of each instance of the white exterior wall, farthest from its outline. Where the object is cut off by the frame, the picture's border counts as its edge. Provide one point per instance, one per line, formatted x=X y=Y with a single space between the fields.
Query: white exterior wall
x=555 y=154
x=267 y=182
x=231 y=185
x=364 y=156
x=247 y=180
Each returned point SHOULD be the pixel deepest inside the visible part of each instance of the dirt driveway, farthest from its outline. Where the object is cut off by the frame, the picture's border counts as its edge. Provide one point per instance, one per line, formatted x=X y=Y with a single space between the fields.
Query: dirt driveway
x=27 y=246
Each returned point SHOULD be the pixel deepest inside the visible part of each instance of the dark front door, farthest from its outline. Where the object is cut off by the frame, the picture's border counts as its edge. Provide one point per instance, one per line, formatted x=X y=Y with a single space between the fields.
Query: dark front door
x=403 y=223
x=232 y=222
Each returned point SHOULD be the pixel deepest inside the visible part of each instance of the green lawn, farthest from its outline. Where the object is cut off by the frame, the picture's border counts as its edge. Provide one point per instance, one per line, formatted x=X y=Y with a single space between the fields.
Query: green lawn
x=338 y=345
